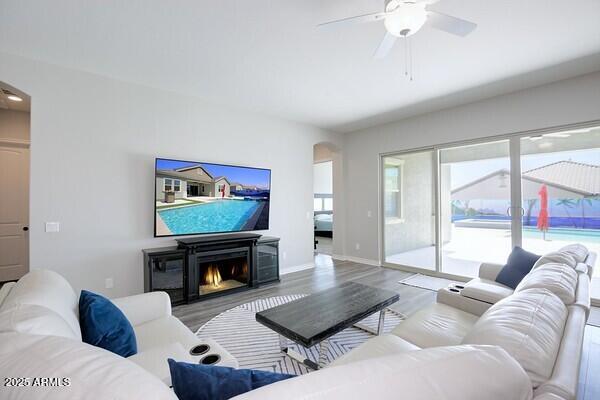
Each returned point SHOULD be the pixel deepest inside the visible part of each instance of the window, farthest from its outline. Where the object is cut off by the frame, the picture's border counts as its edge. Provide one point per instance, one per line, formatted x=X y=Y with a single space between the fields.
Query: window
x=323 y=202
x=318 y=204
x=172 y=185
x=393 y=189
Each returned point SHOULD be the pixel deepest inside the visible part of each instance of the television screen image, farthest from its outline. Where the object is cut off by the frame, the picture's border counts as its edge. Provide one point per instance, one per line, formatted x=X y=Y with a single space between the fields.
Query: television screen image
x=196 y=197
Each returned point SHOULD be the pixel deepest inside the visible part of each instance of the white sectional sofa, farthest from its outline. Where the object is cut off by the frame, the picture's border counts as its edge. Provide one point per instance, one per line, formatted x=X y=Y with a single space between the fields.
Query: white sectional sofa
x=539 y=325
x=524 y=345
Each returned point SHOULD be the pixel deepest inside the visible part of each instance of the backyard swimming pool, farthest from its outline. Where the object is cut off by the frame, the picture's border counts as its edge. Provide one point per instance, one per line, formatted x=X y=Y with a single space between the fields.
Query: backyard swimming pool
x=217 y=216
x=568 y=234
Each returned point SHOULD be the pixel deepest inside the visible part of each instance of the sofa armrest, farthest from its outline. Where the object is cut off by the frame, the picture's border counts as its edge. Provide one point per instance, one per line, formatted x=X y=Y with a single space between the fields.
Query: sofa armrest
x=144 y=307
x=489 y=271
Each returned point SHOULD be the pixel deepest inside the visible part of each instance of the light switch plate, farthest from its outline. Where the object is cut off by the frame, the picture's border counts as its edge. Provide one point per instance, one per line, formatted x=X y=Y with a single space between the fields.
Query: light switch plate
x=52 y=227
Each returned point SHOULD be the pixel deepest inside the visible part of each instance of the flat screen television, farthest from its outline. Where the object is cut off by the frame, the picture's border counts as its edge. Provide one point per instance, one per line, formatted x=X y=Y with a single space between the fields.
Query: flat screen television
x=196 y=197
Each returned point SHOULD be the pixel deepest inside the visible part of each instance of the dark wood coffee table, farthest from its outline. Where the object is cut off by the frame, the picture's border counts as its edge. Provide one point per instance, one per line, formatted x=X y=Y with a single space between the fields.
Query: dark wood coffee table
x=313 y=319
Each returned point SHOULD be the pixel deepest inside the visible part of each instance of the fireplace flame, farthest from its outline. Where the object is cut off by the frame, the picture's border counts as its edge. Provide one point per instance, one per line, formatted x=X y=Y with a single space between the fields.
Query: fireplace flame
x=212 y=276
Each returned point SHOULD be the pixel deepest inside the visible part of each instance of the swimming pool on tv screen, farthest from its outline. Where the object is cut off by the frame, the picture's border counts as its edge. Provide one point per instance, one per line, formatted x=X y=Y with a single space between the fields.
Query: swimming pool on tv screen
x=216 y=216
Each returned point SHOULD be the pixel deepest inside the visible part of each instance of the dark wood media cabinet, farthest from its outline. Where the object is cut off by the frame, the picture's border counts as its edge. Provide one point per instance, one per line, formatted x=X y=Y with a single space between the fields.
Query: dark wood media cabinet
x=204 y=267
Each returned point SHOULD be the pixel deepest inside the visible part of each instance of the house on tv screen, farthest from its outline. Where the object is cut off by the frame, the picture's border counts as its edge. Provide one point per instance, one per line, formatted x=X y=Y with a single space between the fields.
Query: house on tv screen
x=195 y=181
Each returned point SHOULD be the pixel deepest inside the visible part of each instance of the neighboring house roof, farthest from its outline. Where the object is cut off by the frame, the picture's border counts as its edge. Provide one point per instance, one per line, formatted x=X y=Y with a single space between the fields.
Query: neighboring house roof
x=580 y=179
x=217 y=179
x=574 y=176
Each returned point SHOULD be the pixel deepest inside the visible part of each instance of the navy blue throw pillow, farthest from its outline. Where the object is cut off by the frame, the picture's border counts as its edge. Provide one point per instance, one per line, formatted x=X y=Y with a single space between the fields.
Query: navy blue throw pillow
x=209 y=382
x=104 y=325
x=518 y=265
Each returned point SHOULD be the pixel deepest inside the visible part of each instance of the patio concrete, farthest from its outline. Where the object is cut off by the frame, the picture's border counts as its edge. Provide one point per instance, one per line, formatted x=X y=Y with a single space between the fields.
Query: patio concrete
x=470 y=247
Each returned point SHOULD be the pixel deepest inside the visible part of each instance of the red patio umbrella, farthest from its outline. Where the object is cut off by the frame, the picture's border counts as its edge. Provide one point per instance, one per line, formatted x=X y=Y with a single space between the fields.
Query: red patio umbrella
x=542 y=222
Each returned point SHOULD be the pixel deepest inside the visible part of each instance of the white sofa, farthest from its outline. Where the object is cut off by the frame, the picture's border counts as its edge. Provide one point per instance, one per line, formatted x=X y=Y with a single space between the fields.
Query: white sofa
x=39 y=316
x=524 y=346
x=539 y=325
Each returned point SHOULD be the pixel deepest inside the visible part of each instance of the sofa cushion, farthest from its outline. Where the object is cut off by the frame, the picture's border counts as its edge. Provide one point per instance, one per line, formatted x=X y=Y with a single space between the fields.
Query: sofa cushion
x=558 y=257
x=208 y=382
x=560 y=279
x=92 y=373
x=578 y=251
x=486 y=290
x=529 y=326
x=378 y=346
x=46 y=289
x=448 y=373
x=163 y=331
x=155 y=360
x=519 y=263
x=104 y=325
x=35 y=320
x=436 y=325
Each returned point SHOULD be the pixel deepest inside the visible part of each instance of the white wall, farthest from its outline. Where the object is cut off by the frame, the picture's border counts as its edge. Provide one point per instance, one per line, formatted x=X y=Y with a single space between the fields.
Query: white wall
x=94 y=141
x=565 y=102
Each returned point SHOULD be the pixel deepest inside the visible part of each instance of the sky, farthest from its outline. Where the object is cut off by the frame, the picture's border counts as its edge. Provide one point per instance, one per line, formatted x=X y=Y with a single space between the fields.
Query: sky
x=244 y=175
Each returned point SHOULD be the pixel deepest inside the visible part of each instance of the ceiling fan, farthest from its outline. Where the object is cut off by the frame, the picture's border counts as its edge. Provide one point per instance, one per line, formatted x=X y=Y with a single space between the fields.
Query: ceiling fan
x=403 y=18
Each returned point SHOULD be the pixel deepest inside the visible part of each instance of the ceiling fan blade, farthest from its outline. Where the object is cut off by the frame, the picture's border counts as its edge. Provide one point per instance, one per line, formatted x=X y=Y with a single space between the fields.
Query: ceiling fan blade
x=450 y=24
x=359 y=19
x=385 y=46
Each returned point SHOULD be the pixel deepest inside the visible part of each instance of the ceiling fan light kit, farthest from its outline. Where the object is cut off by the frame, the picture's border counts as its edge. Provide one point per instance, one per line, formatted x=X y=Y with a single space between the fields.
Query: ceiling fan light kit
x=404 y=18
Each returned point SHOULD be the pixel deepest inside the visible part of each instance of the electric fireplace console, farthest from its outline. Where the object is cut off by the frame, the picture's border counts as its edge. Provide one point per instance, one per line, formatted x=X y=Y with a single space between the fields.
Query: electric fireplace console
x=203 y=267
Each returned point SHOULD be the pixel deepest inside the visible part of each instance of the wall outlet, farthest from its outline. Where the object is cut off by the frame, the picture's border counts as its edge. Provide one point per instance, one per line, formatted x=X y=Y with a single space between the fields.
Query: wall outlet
x=109 y=283
x=357 y=245
x=52 y=227
x=369 y=214
x=284 y=255
x=308 y=215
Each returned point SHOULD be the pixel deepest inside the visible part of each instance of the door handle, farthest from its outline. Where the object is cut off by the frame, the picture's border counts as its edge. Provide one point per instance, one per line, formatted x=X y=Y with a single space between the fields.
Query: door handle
x=25 y=228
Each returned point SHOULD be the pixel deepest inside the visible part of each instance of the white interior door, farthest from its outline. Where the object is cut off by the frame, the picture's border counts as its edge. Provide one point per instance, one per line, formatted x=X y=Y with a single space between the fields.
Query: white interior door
x=14 y=211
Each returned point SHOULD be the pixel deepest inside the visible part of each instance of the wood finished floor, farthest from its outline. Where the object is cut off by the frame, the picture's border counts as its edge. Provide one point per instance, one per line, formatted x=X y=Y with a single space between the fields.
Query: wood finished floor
x=325 y=275
x=328 y=273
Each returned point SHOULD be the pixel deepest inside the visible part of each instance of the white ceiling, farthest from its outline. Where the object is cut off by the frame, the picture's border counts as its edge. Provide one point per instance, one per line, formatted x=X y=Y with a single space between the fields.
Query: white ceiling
x=267 y=56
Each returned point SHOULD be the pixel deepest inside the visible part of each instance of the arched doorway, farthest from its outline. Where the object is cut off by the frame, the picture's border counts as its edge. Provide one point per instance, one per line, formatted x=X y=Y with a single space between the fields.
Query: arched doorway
x=327 y=205
x=15 y=109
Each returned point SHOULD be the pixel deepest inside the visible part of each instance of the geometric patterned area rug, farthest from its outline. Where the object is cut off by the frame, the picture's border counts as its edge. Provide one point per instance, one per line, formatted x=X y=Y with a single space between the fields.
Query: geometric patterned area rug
x=256 y=346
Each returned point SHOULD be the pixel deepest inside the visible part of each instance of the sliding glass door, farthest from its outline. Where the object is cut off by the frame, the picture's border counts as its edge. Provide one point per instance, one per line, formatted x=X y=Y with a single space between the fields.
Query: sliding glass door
x=409 y=209
x=475 y=200
x=448 y=209
x=560 y=184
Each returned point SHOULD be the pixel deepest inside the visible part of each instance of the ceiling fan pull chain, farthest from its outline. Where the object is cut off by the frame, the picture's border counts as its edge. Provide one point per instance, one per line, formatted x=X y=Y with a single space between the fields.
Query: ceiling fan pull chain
x=410 y=60
x=405 y=56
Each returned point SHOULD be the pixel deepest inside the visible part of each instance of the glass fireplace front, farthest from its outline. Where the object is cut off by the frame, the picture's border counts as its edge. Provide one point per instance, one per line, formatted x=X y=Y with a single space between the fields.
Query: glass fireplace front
x=222 y=273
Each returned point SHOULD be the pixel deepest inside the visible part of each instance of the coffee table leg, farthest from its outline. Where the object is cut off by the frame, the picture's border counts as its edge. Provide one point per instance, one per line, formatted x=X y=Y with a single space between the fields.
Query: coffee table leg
x=381 y=322
x=323 y=350
x=283 y=345
x=372 y=331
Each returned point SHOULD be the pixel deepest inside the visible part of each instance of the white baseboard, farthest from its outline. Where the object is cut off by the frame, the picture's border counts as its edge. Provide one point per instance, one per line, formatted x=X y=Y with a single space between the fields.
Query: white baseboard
x=296 y=268
x=338 y=257
x=366 y=261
